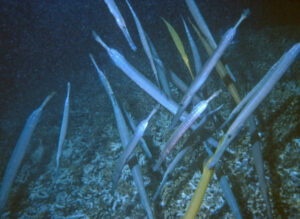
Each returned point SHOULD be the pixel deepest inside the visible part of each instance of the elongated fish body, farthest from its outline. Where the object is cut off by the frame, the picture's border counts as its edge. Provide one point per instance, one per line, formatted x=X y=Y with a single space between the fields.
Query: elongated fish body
x=162 y=76
x=272 y=77
x=133 y=127
x=178 y=133
x=201 y=22
x=113 y=8
x=259 y=166
x=138 y=179
x=121 y=124
x=182 y=86
x=170 y=169
x=179 y=46
x=130 y=147
x=196 y=55
x=144 y=42
x=207 y=69
x=201 y=78
x=64 y=126
x=124 y=157
x=19 y=152
x=229 y=196
x=120 y=61
x=124 y=135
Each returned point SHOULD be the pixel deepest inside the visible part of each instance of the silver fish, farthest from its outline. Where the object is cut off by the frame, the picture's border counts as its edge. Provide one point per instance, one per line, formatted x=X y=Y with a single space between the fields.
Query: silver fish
x=259 y=166
x=124 y=135
x=130 y=147
x=196 y=55
x=271 y=78
x=144 y=42
x=113 y=8
x=170 y=169
x=64 y=126
x=178 y=133
x=120 y=61
x=133 y=127
x=19 y=152
x=162 y=76
x=229 y=196
x=206 y=70
x=201 y=22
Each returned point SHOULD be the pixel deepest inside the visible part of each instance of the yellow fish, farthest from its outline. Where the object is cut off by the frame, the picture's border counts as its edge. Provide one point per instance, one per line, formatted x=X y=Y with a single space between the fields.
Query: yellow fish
x=179 y=46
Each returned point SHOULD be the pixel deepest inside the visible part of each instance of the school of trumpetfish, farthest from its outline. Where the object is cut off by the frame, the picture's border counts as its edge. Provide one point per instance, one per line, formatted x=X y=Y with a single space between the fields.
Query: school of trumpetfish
x=184 y=119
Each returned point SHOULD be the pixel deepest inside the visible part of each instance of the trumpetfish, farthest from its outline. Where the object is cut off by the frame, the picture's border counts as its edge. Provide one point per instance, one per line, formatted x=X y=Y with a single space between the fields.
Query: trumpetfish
x=124 y=135
x=113 y=8
x=196 y=55
x=146 y=85
x=19 y=152
x=207 y=68
x=64 y=126
x=178 y=133
x=258 y=95
x=144 y=42
x=131 y=146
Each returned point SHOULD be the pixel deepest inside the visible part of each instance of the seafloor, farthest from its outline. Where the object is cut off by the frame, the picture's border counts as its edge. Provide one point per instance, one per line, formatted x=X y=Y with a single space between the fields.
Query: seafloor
x=82 y=189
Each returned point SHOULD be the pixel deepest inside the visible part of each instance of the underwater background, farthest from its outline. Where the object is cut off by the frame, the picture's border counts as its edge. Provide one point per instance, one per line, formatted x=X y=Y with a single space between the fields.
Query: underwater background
x=45 y=44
